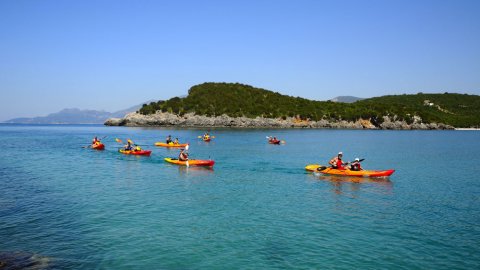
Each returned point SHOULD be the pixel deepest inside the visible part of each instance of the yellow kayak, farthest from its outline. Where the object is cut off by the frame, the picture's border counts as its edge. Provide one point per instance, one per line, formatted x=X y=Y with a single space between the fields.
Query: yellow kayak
x=362 y=173
x=191 y=162
x=162 y=144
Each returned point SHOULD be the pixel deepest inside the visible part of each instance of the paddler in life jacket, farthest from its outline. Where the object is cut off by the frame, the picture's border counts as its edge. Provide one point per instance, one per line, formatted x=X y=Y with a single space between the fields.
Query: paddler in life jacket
x=95 y=141
x=128 y=146
x=176 y=141
x=272 y=140
x=206 y=136
x=183 y=156
x=337 y=162
x=169 y=139
x=355 y=166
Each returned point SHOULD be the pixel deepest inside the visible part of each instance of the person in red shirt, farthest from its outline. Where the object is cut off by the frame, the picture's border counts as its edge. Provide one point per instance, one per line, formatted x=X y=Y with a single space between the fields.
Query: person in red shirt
x=337 y=162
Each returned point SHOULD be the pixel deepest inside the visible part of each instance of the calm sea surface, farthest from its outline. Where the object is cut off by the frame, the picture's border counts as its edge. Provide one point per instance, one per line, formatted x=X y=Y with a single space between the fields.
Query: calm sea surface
x=257 y=209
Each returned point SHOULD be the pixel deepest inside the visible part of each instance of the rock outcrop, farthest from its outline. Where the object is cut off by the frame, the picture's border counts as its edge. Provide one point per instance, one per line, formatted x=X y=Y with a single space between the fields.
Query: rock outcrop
x=192 y=120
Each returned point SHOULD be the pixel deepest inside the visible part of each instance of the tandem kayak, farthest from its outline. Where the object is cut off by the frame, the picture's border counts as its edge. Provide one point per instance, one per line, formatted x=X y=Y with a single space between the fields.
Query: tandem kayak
x=98 y=146
x=138 y=153
x=171 y=144
x=191 y=162
x=362 y=173
x=274 y=141
x=207 y=139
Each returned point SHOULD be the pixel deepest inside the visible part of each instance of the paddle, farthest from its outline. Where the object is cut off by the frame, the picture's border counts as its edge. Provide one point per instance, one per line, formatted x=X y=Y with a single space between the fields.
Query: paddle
x=186 y=149
x=128 y=140
x=201 y=137
x=354 y=161
x=321 y=168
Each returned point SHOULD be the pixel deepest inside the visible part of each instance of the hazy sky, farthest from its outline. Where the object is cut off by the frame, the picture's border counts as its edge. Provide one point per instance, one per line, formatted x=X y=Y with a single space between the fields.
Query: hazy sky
x=114 y=54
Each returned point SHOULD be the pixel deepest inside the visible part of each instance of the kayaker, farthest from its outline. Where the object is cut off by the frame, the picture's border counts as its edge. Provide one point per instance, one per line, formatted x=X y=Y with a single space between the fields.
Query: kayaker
x=128 y=146
x=183 y=155
x=337 y=162
x=169 y=139
x=355 y=166
x=272 y=140
x=206 y=136
x=176 y=141
x=95 y=140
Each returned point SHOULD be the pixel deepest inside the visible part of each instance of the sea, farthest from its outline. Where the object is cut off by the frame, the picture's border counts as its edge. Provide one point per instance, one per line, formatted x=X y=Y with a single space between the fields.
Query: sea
x=66 y=206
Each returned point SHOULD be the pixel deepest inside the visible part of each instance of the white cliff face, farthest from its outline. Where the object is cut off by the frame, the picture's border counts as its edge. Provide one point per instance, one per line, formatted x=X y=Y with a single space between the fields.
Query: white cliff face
x=193 y=120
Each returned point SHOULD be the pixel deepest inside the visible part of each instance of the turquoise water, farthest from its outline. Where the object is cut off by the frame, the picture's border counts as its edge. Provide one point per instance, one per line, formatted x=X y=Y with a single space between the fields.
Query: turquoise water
x=257 y=209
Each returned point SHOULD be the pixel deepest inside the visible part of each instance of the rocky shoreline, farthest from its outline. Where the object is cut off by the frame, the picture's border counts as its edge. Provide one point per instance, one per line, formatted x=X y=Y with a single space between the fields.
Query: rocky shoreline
x=164 y=119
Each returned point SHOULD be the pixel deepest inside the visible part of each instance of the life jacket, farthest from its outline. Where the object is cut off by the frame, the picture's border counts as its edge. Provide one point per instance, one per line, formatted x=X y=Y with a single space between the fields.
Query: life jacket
x=183 y=157
x=355 y=166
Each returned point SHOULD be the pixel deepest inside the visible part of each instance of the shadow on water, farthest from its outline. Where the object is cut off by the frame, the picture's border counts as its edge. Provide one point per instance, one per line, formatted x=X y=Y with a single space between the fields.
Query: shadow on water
x=10 y=260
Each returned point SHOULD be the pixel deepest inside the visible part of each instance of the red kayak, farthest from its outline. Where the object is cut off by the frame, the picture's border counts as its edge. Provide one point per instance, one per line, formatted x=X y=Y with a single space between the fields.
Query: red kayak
x=274 y=141
x=138 y=153
x=98 y=146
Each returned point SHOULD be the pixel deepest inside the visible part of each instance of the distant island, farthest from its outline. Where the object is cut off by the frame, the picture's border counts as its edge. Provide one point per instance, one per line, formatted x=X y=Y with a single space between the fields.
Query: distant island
x=239 y=105
x=73 y=116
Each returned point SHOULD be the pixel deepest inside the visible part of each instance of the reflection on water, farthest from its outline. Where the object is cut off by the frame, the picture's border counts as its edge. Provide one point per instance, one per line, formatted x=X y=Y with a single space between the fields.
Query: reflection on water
x=195 y=170
x=353 y=184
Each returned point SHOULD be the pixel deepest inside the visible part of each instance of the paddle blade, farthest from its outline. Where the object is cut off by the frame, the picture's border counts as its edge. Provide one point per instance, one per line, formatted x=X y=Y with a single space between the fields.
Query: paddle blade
x=321 y=168
x=130 y=141
x=186 y=147
x=118 y=140
x=199 y=137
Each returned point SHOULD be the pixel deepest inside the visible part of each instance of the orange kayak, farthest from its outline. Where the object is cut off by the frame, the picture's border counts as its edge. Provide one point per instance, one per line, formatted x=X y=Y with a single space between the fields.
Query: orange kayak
x=138 y=153
x=98 y=146
x=362 y=173
x=191 y=162
x=161 y=144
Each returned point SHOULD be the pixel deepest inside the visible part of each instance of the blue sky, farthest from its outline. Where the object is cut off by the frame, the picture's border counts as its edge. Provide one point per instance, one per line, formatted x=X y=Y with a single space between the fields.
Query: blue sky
x=114 y=54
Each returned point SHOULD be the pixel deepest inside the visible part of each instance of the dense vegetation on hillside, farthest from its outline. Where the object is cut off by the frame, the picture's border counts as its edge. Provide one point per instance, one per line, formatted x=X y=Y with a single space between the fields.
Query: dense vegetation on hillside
x=236 y=100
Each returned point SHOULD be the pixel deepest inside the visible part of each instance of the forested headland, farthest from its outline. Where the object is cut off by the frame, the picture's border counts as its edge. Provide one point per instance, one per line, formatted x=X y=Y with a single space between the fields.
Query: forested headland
x=240 y=100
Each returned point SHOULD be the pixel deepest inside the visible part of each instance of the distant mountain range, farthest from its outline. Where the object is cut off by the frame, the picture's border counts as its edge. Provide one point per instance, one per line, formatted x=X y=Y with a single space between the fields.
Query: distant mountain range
x=346 y=99
x=74 y=116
